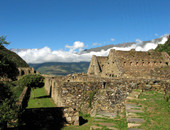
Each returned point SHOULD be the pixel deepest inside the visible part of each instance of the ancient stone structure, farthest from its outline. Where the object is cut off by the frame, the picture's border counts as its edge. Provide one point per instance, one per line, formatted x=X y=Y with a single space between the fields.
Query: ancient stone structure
x=103 y=90
x=20 y=72
x=128 y=63
x=102 y=96
x=25 y=71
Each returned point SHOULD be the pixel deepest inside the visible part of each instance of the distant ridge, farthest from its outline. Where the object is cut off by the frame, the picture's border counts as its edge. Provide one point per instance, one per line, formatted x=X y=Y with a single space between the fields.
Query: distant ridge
x=126 y=44
x=60 y=68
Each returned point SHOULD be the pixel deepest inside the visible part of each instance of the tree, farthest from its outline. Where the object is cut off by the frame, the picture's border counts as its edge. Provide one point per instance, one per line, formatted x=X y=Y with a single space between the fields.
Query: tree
x=32 y=81
x=3 y=41
x=8 y=108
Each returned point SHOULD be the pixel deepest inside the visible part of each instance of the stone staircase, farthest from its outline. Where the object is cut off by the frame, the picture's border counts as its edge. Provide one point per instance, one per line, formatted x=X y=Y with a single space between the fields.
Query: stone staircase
x=133 y=119
x=132 y=110
x=101 y=124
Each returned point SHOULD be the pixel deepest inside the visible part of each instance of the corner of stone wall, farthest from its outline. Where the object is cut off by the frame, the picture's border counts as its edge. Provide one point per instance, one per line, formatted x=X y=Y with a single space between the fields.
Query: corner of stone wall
x=71 y=115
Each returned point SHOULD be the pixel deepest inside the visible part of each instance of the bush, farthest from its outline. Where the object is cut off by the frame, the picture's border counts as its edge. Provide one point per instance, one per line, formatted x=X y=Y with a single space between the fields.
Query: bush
x=8 y=109
x=32 y=81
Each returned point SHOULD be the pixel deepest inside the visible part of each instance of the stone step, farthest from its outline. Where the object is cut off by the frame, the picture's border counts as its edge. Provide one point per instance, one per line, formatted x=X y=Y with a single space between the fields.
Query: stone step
x=134 y=111
x=130 y=106
x=133 y=98
x=94 y=127
x=132 y=115
x=132 y=125
x=106 y=114
x=135 y=120
x=112 y=128
x=105 y=124
x=134 y=129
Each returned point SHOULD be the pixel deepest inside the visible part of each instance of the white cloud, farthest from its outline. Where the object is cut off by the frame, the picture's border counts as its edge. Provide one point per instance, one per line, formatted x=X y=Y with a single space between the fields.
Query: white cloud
x=138 y=41
x=47 y=55
x=112 y=39
x=146 y=47
x=76 y=45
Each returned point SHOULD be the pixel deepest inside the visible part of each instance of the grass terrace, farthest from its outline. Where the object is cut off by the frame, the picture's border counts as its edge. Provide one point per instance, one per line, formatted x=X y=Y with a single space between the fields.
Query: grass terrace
x=41 y=99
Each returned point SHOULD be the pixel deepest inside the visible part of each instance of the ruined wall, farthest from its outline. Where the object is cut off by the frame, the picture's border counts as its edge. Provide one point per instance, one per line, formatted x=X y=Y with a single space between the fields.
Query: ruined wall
x=23 y=99
x=130 y=63
x=25 y=71
x=95 y=95
x=98 y=97
x=141 y=63
x=94 y=68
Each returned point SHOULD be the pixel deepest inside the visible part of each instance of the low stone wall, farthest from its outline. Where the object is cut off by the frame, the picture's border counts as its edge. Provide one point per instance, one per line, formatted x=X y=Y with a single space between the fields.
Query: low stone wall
x=23 y=99
x=71 y=115
x=97 y=96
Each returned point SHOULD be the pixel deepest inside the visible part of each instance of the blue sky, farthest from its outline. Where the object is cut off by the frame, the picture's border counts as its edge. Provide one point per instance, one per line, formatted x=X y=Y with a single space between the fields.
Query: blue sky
x=57 y=23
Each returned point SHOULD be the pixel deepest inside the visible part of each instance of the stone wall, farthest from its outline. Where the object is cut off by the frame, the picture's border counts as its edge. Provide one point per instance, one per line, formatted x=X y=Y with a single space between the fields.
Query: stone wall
x=128 y=64
x=96 y=96
x=23 y=99
x=25 y=71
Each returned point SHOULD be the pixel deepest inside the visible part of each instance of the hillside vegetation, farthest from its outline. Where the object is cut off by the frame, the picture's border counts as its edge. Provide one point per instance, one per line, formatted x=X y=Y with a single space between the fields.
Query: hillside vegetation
x=6 y=54
x=9 y=61
x=164 y=47
x=58 y=68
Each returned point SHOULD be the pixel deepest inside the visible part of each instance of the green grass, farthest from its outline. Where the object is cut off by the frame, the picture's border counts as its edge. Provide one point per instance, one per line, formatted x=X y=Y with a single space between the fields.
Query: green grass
x=156 y=111
x=41 y=99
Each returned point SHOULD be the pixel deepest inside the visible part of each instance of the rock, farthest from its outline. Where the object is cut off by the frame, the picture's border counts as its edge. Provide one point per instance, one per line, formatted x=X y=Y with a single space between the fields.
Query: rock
x=136 y=120
x=131 y=125
x=105 y=124
x=134 y=111
x=130 y=106
x=95 y=127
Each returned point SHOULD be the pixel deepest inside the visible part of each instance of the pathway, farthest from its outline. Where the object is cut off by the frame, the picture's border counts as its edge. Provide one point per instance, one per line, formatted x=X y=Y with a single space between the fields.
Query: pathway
x=132 y=116
x=132 y=110
x=102 y=124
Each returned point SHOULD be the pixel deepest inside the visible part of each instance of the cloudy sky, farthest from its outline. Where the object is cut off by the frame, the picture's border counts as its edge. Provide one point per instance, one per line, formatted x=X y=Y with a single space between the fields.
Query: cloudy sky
x=73 y=25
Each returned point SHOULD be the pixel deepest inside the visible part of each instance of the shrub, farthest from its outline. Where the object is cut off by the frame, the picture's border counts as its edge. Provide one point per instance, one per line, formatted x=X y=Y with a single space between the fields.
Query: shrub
x=32 y=81
x=8 y=109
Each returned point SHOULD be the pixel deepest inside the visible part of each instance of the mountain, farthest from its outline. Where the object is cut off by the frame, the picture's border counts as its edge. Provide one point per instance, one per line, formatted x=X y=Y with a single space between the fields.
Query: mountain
x=56 y=62
x=9 y=62
x=12 y=56
x=124 y=45
x=59 y=68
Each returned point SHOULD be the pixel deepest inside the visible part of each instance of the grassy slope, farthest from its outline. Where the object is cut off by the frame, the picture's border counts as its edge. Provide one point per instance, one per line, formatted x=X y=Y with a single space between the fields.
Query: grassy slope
x=157 y=111
x=41 y=99
x=58 y=68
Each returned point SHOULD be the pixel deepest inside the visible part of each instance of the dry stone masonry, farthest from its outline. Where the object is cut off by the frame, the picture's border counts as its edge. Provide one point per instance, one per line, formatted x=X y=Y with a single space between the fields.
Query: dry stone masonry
x=104 y=97
x=128 y=64
x=105 y=88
